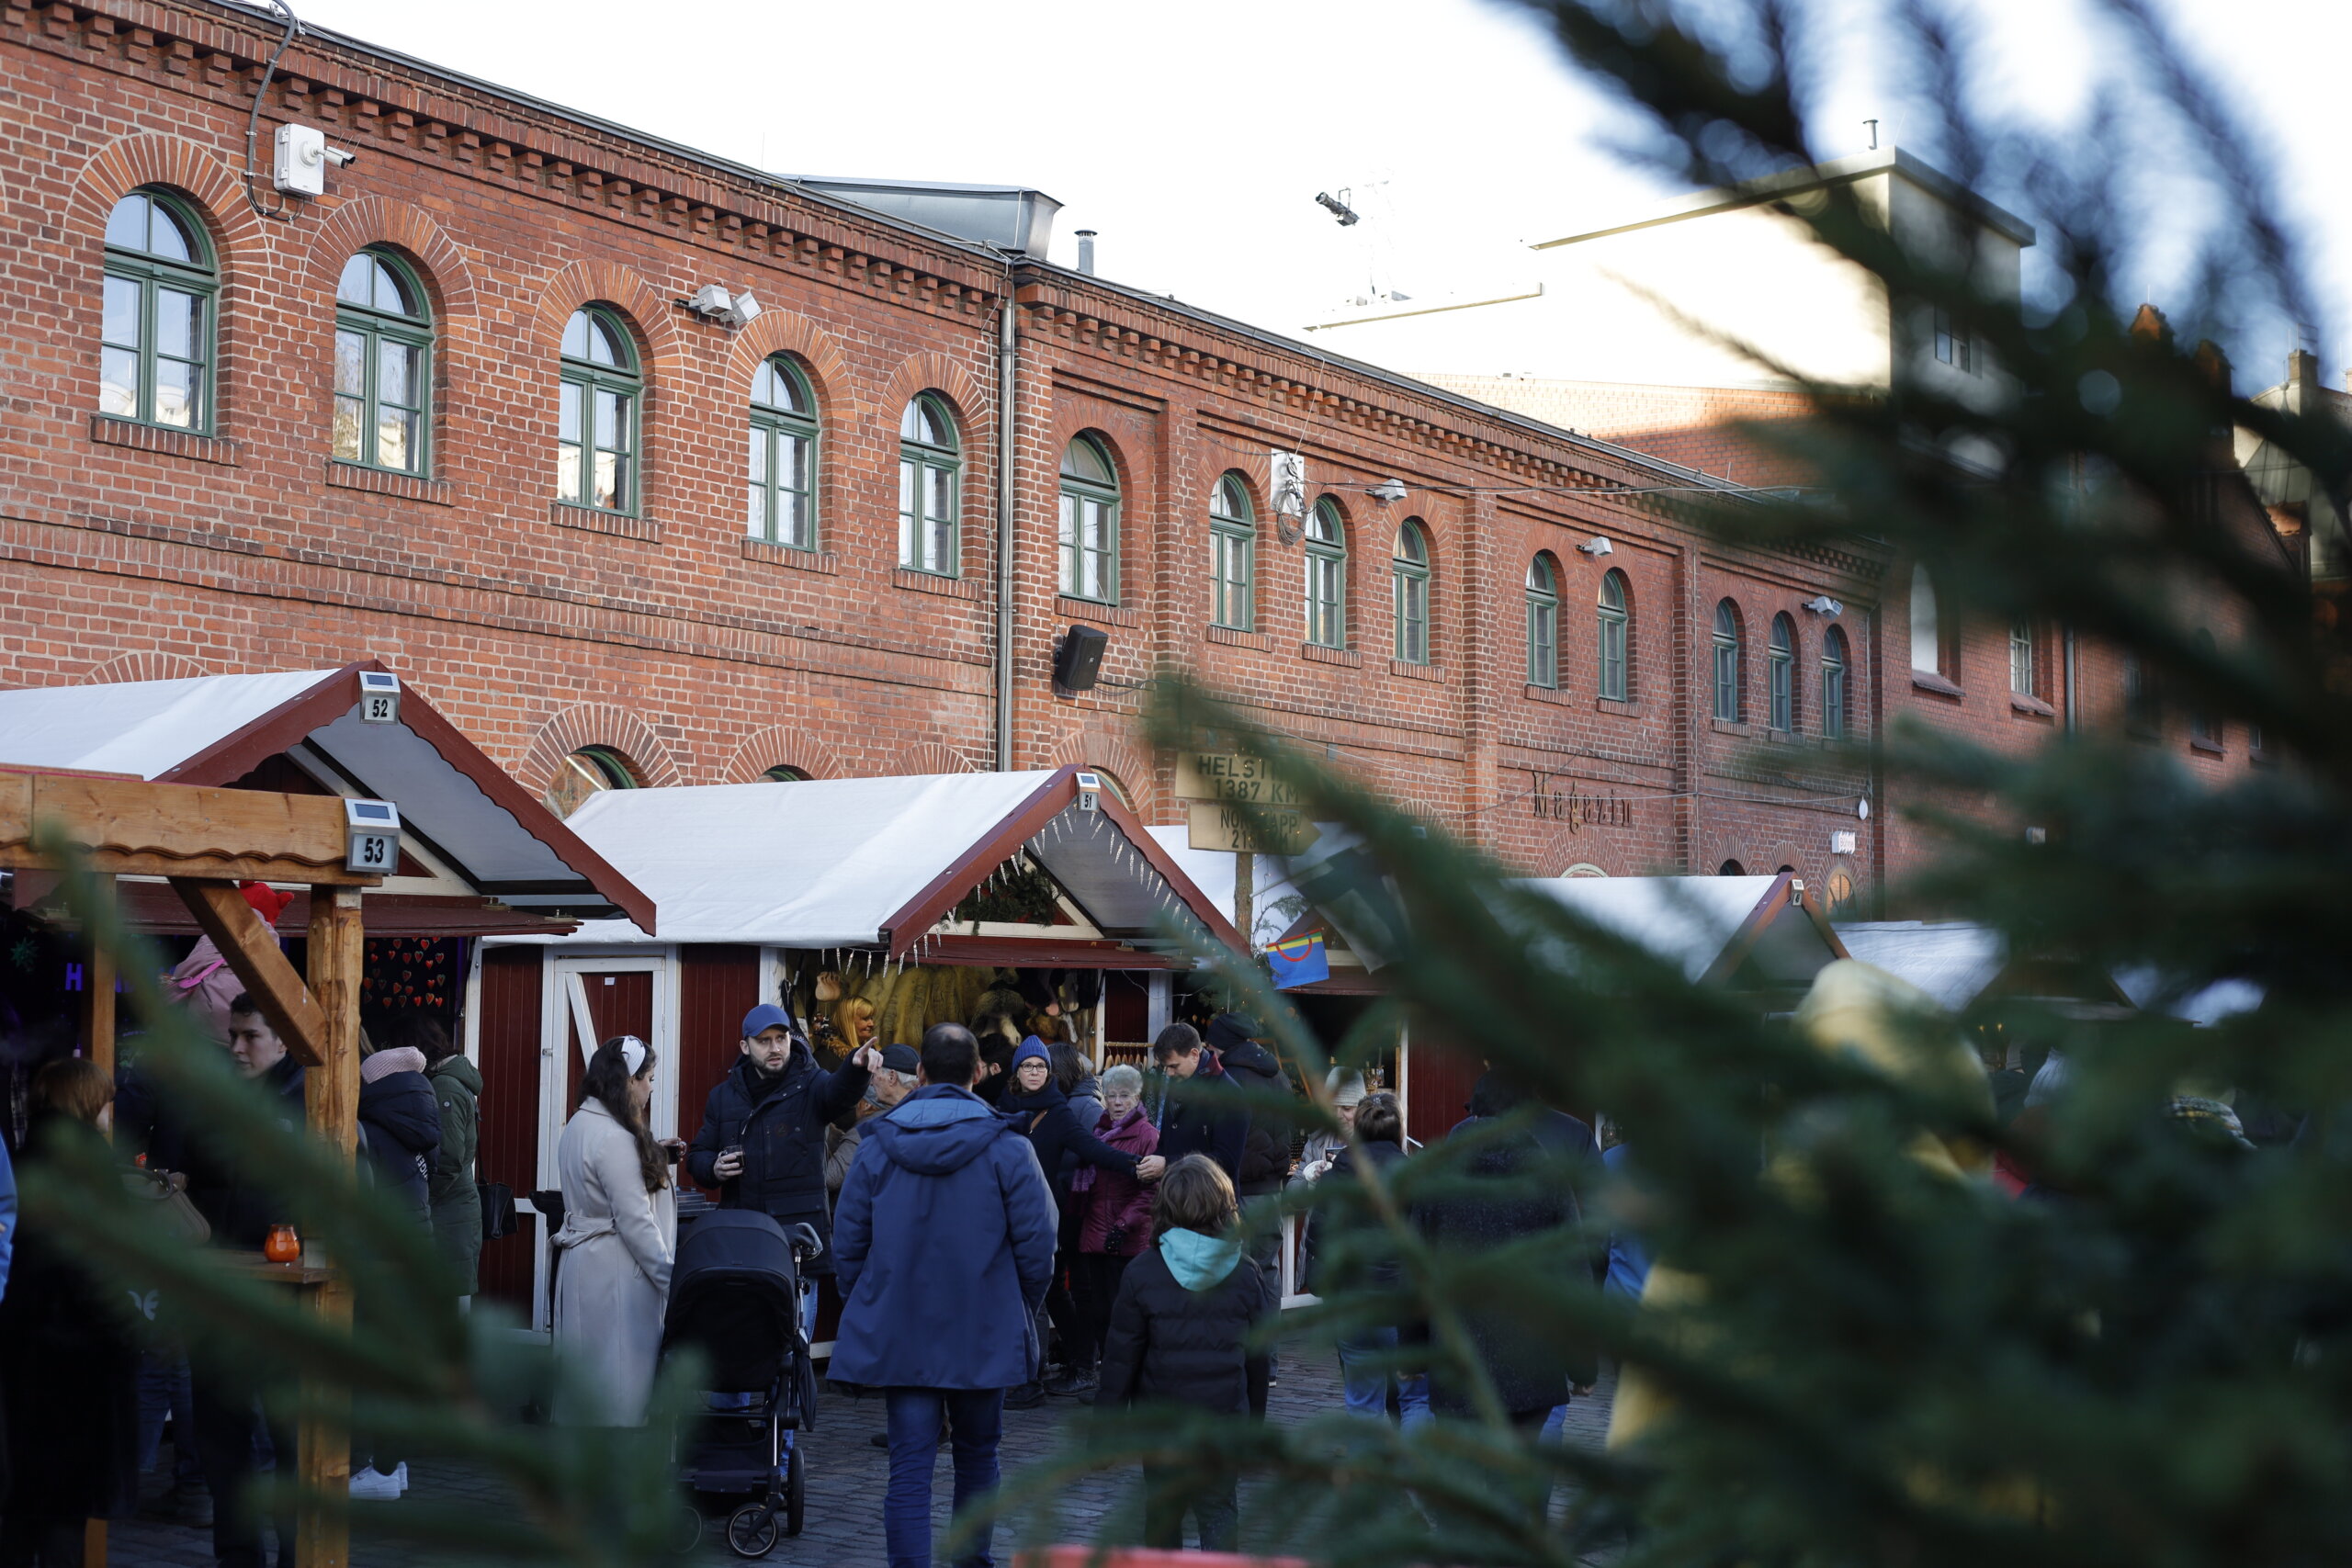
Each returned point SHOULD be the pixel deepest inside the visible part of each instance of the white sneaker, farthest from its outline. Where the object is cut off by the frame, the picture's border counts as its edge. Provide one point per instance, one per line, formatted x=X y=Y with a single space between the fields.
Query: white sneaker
x=400 y=1476
x=374 y=1486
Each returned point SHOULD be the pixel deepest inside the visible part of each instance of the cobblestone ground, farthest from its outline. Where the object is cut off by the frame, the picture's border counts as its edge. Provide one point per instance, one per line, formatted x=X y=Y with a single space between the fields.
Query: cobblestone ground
x=847 y=1475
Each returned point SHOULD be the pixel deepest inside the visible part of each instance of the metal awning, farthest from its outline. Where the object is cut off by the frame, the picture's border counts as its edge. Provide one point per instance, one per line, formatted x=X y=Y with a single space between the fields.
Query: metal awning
x=882 y=863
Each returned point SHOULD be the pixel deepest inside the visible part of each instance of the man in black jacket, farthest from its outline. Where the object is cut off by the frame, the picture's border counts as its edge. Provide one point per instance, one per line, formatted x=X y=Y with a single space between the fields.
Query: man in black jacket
x=763 y=1137
x=1191 y=1123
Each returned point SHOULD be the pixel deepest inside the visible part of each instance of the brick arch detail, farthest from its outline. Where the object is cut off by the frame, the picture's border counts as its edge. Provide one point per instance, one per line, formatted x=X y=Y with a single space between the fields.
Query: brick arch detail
x=152 y=666
x=775 y=332
x=367 y=221
x=599 y=725
x=1098 y=746
x=122 y=166
x=650 y=316
x=930 y=757
x=789 y=744
x=927 y=372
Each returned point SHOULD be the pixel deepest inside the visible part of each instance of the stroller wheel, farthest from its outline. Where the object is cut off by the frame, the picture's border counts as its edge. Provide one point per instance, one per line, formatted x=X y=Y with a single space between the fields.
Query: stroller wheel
x=688 y=1535
x=752 y=1530
x=795 y=1494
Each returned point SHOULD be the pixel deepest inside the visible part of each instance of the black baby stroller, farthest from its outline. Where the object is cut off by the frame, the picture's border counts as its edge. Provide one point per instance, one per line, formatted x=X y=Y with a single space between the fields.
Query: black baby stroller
x=734 y=1296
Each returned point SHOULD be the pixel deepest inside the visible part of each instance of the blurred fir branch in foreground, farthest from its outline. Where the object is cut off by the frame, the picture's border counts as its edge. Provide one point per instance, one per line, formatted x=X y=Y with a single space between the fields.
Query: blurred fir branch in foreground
x=421 y=1376
x=1866 y=1353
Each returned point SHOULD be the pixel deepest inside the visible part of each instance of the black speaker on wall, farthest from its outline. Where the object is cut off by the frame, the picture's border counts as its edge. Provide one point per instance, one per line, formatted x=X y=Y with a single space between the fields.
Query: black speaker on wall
x=1078 y=658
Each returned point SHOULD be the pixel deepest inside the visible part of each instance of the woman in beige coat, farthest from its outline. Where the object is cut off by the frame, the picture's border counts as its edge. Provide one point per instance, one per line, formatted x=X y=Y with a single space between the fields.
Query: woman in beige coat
x=615 y=1278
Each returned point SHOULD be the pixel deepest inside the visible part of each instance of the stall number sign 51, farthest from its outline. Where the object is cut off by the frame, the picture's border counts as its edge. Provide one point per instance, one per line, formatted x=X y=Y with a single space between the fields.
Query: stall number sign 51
x=373 y=836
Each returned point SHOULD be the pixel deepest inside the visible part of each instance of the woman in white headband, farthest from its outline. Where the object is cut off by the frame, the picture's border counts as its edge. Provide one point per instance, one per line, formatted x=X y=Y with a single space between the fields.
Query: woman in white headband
x=614 y=1278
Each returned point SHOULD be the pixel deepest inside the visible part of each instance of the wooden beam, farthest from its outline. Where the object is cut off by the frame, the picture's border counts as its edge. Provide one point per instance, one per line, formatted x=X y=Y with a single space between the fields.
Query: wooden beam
x=331 y=1094
x=130 y=827
x=251 y=949
x=336 y=955
x=98 y=1013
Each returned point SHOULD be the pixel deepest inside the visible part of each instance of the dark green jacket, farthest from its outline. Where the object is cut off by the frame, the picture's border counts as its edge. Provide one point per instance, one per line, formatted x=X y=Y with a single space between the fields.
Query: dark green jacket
x=457 y=1205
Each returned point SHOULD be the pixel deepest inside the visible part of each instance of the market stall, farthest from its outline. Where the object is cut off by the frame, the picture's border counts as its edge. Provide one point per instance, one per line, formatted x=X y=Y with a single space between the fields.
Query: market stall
x=475 y=855
x=888 y=904
x=1764 y=936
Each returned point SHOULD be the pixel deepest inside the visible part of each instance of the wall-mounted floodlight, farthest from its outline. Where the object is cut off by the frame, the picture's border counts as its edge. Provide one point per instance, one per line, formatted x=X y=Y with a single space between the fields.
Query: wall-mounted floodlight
x=1823 y=604
x=1388 y=489
x=1337 y=207
x=1597 y=548
x=713 y=302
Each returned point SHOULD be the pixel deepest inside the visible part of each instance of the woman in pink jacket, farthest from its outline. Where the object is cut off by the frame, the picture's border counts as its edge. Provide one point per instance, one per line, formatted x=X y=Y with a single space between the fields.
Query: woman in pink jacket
x=1114 y=1223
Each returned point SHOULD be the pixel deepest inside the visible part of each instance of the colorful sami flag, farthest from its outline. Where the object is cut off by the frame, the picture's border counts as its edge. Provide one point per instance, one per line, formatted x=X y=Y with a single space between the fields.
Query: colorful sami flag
x=1301 y=960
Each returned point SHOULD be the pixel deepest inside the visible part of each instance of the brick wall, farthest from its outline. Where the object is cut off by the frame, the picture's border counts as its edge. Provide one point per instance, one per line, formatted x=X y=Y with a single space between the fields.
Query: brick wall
x=701 y=658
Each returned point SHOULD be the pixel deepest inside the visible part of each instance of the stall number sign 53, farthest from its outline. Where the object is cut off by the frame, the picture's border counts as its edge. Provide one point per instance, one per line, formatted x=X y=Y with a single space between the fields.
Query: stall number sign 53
x=373 y=840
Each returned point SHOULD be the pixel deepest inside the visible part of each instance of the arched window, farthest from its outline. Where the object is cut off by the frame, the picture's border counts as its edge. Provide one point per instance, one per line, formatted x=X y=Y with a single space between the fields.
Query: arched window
x=931 y=484
x=1928 y=641
x=782 y=474
x=1544 y=623
x=383 y=365
x=784 y=772
x=2143 y=712
x=1833 y=684
x=595 y=459
x=1327 y=576
x=1615 y=616
x=1089 y=522
x=1233 y=555
x=155 y=334
x=2023 y=676
x=587 y=772
x=1780 y=675
x=1727 y=659
x=1408 y=575
x=2204 y=724
x=1731 y=868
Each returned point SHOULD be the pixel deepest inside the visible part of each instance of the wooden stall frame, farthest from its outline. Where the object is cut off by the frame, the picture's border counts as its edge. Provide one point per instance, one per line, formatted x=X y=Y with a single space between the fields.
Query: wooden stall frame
x=205 y=841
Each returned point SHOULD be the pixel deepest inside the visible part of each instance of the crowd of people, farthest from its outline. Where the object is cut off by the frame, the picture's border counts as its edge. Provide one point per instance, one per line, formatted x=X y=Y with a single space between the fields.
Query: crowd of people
x=1005 y=1227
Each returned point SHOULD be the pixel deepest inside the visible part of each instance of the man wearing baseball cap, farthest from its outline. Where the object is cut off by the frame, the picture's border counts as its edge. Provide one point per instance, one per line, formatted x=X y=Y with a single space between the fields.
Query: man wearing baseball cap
x=763 y=1137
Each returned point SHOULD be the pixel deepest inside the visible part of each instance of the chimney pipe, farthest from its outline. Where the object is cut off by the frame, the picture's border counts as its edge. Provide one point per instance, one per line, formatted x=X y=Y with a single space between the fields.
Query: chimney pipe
x=1086 y=252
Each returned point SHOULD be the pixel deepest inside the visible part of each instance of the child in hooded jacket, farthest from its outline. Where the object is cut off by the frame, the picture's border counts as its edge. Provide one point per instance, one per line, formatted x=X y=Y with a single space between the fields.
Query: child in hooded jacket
x=1178 y=1335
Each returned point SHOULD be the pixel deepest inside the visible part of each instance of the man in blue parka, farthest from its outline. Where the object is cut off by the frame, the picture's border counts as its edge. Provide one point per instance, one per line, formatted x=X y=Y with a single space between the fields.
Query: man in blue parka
x=943 y=1248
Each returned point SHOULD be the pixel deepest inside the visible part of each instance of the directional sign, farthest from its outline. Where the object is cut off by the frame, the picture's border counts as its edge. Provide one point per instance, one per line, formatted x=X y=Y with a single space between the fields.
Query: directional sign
x=1223 y=775
x=1220 y=825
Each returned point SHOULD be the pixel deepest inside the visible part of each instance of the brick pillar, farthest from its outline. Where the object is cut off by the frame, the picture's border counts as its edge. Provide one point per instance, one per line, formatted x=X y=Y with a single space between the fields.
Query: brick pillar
x=1475 y=604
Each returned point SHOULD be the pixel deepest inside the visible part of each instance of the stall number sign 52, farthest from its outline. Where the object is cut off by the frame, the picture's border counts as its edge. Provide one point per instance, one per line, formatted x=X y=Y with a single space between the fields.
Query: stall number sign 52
x=373 y=841
x=379 y=697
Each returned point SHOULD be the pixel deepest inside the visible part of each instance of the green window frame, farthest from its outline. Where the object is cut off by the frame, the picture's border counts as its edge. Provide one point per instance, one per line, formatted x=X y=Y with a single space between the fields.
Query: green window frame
x=158 y=314
x=1833 y=666
x=931 y=486
x=1233 y=555
x=588 y=771
x=383 y=365
x=1326 y=575
x=781 y=471
x=1780 y=676
x=1544 y=623
x=600 y=395
x=1726 y=662
x=1089 y=522
x=1408 y=581
x=1614 y=615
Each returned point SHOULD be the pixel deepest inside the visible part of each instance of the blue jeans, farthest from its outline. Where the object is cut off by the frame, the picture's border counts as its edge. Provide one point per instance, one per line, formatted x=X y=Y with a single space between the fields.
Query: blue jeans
x=163 y=1389
x=975 y=1420
x=1366 y=1385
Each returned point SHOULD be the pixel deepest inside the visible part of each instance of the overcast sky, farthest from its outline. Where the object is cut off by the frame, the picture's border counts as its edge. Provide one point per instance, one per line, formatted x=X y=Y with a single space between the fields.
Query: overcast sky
x=1195 y=137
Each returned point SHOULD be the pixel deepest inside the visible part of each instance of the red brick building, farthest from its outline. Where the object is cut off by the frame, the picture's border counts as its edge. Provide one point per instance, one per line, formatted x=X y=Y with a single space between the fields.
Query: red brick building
x=456 y=414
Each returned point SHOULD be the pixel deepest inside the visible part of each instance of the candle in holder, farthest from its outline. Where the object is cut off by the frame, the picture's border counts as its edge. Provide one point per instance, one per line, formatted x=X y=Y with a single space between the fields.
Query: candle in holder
x=282 y=1245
